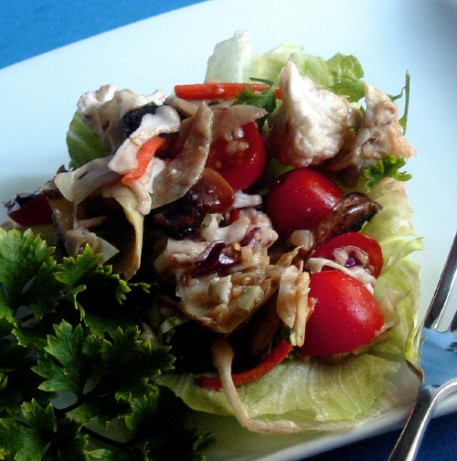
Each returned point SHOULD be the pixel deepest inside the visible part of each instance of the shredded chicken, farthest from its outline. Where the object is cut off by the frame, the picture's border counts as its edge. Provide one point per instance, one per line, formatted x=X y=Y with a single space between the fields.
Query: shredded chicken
x=103 y=109
x=310 y=125
x=165 y=120
x=380 y=132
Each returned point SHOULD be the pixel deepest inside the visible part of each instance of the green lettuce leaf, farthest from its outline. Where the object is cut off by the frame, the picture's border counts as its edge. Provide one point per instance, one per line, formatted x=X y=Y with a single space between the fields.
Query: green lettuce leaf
x=231 y=59
x=82 y=143
x=316 y=395
x=235 y=59
x=387 y=167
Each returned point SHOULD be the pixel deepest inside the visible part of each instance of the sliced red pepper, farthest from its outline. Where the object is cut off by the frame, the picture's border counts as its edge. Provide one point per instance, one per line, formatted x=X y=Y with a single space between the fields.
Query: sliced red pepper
x=143 y=156
x=218 y=90
x=273 y=359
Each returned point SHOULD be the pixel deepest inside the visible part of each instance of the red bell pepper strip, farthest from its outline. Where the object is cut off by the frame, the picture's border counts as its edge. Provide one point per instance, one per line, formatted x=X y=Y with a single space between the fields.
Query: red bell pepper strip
x=218 y=90
x=273 y=359
x=143 y=156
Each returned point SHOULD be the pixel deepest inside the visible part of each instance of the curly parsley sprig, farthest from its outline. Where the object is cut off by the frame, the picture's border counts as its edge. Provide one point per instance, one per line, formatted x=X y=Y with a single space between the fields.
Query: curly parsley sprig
x=77 y=379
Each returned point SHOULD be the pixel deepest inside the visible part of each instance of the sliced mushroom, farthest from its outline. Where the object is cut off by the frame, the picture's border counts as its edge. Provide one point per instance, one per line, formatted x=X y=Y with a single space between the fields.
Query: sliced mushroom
x=349 y=215
x=181 y=173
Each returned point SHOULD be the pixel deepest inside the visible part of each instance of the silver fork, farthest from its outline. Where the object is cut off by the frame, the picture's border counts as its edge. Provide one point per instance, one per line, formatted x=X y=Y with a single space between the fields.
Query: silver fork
x=438 y=361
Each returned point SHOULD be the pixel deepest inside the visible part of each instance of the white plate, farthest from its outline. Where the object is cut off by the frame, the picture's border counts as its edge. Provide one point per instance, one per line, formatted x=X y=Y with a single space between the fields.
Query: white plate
x=389 y=37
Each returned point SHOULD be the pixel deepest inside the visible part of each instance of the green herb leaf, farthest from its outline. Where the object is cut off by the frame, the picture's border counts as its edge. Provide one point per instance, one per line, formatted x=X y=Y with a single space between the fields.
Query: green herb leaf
x=405 y=91
x=72 y=350
x=17 y=382
x=86 y=271
x=131 y=363
x=161 y=418
x=38 y=434
x=96 y=292
x=389 y=166
x=68 y=360
x=265 y=99
x=26 y=275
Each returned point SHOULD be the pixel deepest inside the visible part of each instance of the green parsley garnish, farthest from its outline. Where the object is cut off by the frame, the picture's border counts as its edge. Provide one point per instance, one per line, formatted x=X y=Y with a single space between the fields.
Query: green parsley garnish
x=388 y=166
x=77 y=378
x=265 y=100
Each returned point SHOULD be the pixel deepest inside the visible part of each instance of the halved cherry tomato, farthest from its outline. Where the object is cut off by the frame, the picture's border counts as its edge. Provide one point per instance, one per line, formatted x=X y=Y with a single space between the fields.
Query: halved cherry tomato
x=360 y=249
x=299 y=199
x=346 y=315
x=239 y=161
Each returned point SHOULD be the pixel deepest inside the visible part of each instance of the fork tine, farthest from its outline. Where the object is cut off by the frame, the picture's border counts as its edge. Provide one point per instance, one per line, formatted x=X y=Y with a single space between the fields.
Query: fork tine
x=443 y=289
x=453 y=326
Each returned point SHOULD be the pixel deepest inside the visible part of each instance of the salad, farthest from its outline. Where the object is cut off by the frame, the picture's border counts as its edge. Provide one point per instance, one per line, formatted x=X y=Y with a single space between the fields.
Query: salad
x=242 y=244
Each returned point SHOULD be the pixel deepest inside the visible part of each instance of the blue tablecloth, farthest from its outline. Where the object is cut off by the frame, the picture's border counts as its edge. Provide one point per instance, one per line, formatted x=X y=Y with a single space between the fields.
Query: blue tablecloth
x=31 y=27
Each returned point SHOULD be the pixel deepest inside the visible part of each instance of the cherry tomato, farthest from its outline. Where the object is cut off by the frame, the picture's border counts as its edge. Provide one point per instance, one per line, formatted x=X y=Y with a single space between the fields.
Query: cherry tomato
x=360 y=248
x=345 y=316
x=299 y=199
x=239 y=161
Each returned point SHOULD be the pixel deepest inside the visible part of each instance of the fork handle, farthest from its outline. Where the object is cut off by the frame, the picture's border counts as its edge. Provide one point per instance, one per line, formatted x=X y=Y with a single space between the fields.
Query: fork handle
x=411 y=436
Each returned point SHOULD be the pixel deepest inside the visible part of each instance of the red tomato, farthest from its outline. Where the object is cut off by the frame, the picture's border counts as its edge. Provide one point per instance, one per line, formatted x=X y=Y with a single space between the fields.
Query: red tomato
x=299 y=199
x=345 y=316
x=361 y=250
x=240 y=161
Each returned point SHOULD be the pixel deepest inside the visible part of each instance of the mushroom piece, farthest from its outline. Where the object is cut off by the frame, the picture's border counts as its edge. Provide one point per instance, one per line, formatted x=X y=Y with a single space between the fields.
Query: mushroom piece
x=348 y=215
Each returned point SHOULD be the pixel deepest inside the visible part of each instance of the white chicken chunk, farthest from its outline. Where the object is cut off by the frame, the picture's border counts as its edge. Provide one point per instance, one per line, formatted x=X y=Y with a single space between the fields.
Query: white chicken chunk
x=380 y=132
x=310 y=124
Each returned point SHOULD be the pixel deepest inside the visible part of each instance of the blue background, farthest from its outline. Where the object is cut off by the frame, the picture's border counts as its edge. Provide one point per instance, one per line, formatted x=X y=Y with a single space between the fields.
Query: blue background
x=32 y=27
x=29 y=28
